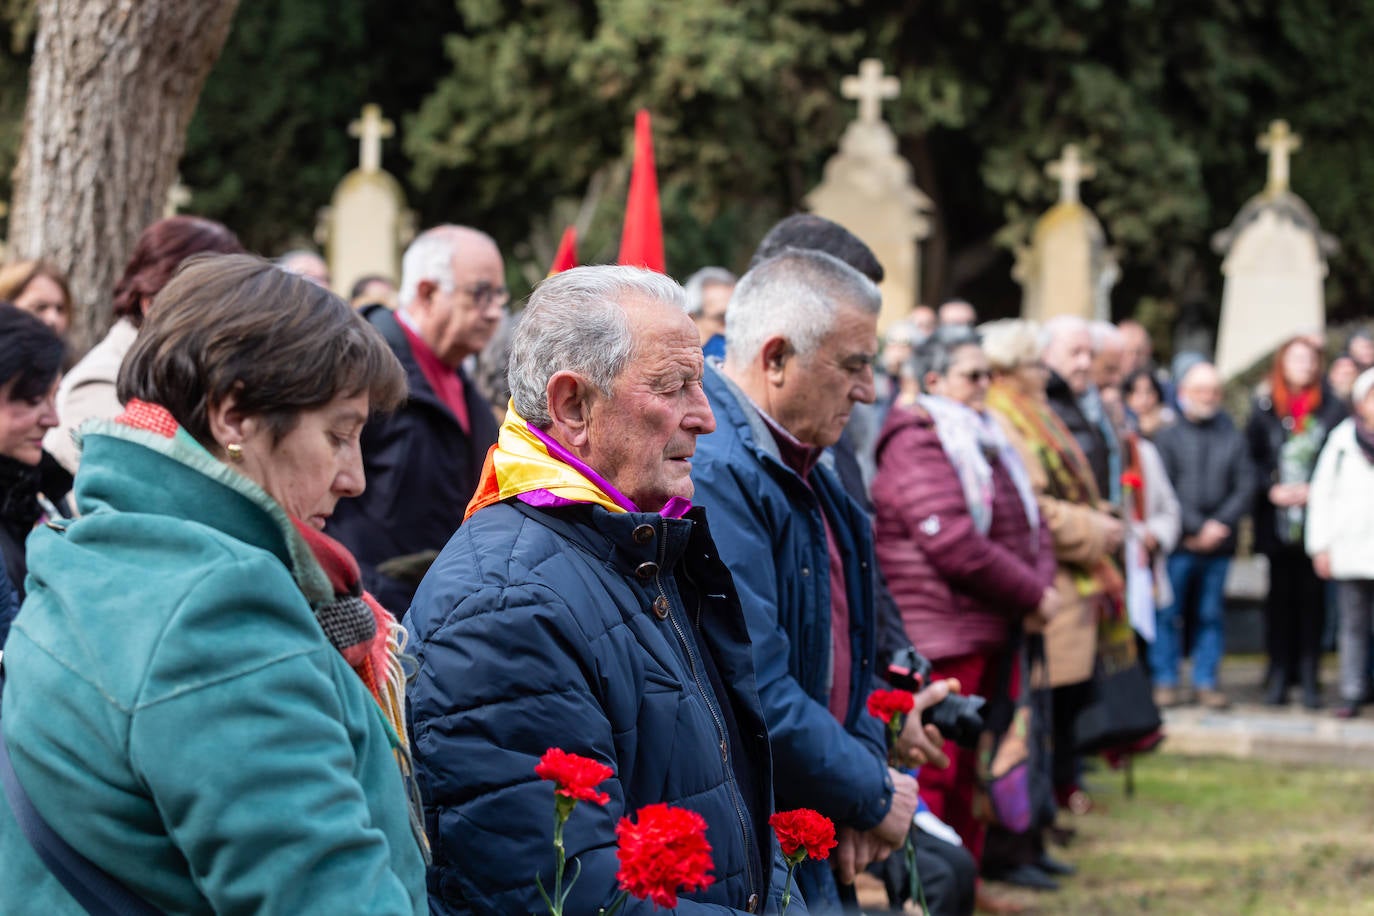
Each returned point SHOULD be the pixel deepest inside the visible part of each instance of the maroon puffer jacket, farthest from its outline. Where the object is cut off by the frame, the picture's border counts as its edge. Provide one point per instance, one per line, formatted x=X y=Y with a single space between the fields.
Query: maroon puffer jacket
x=958 y=590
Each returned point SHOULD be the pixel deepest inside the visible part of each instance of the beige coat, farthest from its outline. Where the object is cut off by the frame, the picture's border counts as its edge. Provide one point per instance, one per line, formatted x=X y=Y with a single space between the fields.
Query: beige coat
x=1080 y=539
x=88 y=392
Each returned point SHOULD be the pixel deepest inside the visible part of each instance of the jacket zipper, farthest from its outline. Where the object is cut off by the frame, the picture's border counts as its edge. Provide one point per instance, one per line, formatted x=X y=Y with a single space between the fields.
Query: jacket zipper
x=709 y=697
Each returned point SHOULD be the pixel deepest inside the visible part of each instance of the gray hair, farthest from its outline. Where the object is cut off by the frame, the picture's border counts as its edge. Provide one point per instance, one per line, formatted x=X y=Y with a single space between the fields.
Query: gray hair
x=430 y=257
x=795 y=295
x=936 y=353
x=575 y=322
x=1060 y=324
x=696 y=286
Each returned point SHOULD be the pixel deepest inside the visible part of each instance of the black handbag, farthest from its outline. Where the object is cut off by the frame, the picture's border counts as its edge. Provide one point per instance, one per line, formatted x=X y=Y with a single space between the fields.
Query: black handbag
x=1122 y=710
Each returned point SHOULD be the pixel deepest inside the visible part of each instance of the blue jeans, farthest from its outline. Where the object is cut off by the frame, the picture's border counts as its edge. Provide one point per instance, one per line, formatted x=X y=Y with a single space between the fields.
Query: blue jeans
x=1205 y=576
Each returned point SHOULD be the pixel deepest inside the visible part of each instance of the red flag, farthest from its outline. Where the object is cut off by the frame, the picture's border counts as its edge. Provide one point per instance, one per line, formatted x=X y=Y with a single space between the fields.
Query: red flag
x=566 y=258
x=641 y=241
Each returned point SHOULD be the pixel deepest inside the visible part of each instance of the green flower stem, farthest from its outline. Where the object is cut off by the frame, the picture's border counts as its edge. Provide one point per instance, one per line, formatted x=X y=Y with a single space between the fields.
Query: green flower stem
x=618 y=903
x=787 y=888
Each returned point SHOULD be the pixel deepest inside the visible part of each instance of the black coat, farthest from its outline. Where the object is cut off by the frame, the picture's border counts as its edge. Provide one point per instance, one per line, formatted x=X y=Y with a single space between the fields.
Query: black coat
x=1265 y=433
x=1209 y=466
x=422 y=470
x=20 y=509
x=1088 y=434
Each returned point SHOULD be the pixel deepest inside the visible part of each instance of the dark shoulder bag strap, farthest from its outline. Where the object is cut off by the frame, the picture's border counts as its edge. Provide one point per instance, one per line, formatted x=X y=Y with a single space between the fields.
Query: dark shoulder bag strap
x=98 y=893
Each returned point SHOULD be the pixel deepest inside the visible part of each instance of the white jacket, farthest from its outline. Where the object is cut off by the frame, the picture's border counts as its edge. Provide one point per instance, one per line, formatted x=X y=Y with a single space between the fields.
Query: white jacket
x=1340 y=506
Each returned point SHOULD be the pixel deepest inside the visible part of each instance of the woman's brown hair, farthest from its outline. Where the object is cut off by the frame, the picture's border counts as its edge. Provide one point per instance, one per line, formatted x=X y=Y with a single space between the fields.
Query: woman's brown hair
x=160 y=250
x=16 y=276
x=282 y=345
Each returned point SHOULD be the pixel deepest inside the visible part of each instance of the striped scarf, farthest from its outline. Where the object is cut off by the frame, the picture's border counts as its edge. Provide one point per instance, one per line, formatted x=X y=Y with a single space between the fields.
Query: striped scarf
x=1069 y=474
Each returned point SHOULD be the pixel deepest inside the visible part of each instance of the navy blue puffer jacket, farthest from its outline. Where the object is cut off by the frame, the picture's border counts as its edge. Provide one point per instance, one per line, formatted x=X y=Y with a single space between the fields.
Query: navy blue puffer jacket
x=583 y=629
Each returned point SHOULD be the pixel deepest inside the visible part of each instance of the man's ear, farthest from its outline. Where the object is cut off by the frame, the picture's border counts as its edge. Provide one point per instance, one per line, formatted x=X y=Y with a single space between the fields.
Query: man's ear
x=931 y=382
x=424 y=295
x=774 y=356
x=570 y=398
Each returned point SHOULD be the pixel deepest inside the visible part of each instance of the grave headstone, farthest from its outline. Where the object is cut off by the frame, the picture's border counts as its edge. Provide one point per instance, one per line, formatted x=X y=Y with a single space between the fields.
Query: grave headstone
x=366 y=225
x=1274 y=260
x=867 y=188
x=1067 y=269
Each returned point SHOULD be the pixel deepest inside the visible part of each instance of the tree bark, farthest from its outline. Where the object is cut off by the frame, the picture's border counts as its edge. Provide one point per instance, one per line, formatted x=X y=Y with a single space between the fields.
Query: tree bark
x=112 y=88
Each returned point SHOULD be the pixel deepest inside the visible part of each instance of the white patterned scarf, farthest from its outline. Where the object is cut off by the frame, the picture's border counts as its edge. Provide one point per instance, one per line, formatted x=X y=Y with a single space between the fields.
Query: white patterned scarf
x=969 y=438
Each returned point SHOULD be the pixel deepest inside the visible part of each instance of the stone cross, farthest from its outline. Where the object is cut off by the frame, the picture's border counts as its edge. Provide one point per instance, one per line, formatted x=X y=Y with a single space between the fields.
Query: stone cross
x=1071 y=171
x=1279 y=142
x=371 y=130
x=870 y=87
x=178 y=196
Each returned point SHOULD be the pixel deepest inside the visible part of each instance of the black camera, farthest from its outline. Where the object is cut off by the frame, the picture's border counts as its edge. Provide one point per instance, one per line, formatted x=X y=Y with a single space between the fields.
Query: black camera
x=959 y=718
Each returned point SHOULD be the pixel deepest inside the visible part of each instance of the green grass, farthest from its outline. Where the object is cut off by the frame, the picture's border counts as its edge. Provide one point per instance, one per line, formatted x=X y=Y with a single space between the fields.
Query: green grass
x=1212 y=836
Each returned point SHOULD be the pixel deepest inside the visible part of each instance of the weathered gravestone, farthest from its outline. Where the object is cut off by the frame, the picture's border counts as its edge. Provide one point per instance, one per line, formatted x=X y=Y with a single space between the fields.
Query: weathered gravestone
x=367 y=224
x=1067 y=269
x=1274 y=260
x=867 y=188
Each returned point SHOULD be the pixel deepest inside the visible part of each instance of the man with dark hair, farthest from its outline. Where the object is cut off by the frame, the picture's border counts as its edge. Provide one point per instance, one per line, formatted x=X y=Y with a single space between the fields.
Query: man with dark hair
x=806 y=230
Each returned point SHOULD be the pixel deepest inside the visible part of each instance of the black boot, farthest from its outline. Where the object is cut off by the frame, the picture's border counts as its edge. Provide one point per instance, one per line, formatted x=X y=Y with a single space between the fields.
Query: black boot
x=1311 y=687
x=1276 y=694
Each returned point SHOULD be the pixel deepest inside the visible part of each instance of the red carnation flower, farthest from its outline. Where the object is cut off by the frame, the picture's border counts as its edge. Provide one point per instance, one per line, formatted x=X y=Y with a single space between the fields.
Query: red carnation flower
x=885 y=704
x=666 y=851
x=573 y=776
x=803 y=833
x=1132 y=480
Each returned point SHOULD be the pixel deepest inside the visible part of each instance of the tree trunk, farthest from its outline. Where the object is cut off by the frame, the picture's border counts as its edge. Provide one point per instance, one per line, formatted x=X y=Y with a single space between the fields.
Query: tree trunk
x=112 y=88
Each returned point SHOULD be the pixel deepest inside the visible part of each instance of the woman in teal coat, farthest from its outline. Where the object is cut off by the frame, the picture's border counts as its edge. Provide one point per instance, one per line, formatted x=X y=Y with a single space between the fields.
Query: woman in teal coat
x=199 y=699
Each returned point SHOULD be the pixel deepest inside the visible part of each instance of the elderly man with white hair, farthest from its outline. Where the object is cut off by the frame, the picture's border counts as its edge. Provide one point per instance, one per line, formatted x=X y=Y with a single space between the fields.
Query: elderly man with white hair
x=423 y=460
x=584 y=606
x=708 y=297
x=1208 y=461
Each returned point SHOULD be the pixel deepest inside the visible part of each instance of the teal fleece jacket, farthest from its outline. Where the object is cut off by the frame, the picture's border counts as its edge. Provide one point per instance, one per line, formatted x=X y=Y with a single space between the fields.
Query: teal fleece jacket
x=175 y=712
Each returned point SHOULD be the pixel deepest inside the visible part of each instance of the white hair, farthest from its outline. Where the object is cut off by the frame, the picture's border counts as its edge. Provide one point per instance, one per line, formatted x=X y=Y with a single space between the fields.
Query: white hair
x=430 y=257
x=1103 y=334
x=575 y=321
x=1061 y=324
x=795 y=295
x=696 y=285
x=1010 y=343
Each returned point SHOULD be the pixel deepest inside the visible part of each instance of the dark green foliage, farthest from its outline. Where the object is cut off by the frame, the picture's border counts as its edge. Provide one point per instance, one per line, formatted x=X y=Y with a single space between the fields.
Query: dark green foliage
x=516 y=117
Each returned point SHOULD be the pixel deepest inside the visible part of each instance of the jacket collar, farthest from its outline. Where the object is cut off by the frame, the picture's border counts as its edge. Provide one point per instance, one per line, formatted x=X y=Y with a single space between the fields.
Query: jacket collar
x=744 y=417
x=135 y=470
x=417 y=386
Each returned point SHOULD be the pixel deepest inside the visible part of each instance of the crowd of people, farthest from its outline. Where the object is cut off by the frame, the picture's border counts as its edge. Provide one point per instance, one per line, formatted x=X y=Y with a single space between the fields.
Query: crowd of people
x=298 y=592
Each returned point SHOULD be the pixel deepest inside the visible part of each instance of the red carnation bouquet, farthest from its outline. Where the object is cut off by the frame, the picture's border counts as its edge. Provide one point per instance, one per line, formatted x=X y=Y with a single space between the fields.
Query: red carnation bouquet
x=892 y=707
x=803 y=834
x=661 y=853
x=574 y=779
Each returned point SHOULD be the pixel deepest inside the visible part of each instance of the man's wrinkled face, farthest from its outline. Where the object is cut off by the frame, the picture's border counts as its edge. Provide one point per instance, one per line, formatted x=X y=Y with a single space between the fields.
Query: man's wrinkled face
x=1070 y=354
x=817 y=391
x=642 y=437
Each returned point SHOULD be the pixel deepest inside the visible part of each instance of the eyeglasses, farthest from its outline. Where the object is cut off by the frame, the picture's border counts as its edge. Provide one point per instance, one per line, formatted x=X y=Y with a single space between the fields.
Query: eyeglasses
x=484 y=295
x=977 y=376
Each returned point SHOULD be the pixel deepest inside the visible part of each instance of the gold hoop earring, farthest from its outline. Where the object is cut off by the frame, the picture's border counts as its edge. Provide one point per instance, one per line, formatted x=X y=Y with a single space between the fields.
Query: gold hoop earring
x=235 y=452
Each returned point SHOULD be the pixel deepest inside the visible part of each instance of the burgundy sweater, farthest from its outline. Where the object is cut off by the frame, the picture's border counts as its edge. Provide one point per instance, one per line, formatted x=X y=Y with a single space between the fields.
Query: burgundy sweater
x=958 y=590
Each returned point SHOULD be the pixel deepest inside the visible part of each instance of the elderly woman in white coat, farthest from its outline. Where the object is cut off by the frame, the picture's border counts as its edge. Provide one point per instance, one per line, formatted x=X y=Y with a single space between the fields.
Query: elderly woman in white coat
x=1340 y=536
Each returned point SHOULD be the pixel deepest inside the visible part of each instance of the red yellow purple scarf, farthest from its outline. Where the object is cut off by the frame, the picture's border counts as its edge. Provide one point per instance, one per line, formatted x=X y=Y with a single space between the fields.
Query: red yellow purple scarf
x=529 y=464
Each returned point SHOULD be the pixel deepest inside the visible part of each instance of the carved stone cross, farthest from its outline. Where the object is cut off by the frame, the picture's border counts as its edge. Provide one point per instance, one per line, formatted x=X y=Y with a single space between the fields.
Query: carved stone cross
x=870 y=87
x=1279 y=142
x=1071 y=171
x=178 y=196
x=371 y=130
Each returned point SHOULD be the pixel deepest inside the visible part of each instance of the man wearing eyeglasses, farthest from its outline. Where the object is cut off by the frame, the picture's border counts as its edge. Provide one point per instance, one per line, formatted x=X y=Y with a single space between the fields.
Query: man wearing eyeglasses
x=422 y=462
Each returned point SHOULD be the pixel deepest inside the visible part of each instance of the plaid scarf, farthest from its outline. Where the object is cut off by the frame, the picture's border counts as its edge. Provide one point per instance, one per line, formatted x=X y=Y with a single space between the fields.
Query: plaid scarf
x=1070 y=477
